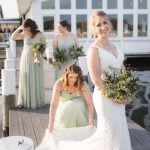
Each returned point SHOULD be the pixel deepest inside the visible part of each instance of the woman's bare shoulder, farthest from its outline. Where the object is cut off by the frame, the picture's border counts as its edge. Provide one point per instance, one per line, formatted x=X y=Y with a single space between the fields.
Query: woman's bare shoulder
x=93 y=48
x=57 y=36
x=40 y=35
x=73 y=35
x=59 y=83
x=85 y=87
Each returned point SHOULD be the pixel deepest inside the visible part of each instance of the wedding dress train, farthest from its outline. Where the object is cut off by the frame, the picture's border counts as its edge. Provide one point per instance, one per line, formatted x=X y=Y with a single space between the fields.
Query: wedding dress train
x=112 y=130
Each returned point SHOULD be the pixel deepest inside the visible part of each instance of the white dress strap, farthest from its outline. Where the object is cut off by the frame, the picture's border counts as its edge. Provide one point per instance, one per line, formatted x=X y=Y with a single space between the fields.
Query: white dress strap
x=94 y=46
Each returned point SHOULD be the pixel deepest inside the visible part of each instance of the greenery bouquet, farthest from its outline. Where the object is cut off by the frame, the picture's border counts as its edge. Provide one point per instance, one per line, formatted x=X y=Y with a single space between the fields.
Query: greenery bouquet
x=59 y=57
x=120 y=86
x=76 y=52
x=38 y=48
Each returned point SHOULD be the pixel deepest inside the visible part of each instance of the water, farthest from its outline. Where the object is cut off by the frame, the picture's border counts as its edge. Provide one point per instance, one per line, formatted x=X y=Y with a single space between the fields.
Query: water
x=140 y=110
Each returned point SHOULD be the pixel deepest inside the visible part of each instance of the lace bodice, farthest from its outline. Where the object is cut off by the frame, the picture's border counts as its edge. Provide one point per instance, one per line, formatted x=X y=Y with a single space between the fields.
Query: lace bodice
x=107 y=59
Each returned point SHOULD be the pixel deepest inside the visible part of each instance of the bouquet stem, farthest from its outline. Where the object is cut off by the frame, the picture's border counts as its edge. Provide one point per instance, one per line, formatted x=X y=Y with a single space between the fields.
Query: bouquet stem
x=37 y=57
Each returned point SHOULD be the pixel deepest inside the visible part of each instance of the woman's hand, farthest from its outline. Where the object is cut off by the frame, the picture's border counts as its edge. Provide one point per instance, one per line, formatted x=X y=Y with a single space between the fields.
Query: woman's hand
x=16 y=35
x=91 y=123
x=124 y=102
x=50 y=127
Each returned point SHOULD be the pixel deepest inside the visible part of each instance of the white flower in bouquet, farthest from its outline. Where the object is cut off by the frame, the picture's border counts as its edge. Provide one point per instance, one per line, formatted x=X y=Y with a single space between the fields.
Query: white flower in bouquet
x=120 y=85
x=38 y=48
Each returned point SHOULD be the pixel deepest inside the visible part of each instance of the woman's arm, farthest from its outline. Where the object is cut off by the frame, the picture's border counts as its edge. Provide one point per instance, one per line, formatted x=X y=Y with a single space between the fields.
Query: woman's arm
x=75 y=39
x=55 y=43
x=93 y=62
x=16 y=35
x=54 y=103
x=88 y=99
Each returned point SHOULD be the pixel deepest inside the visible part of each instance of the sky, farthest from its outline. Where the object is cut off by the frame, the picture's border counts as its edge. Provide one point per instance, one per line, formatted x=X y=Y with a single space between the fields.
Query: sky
x=10 y=9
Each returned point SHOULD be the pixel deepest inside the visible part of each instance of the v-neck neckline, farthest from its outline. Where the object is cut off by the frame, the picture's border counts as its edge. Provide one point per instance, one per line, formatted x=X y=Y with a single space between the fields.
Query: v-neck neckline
x=116 y=57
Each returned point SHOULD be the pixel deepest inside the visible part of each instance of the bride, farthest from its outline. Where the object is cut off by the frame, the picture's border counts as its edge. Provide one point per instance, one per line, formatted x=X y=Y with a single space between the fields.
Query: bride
x=112 y=130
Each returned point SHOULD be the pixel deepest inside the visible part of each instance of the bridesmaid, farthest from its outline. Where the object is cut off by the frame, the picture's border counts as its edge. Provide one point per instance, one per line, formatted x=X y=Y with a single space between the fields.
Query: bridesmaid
x=71 y=104
x=31 y=84
x=64 y=40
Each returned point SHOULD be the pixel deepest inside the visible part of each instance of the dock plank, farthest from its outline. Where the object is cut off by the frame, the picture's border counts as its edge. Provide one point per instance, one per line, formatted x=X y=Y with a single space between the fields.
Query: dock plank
x=32 y=123
x=37 y=125
x=43 y=114
x=20 y=121
x=13 y=123
x=28 y=126
x=140 y=138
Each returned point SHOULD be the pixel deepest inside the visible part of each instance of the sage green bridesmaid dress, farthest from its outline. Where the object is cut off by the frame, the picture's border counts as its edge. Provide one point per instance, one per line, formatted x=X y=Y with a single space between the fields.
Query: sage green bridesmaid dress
x=31 y=82
x=71 y=112
x=65 y=44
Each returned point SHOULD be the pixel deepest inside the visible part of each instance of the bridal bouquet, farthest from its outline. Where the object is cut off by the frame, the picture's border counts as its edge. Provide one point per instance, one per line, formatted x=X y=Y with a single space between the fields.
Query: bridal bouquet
x=38 y=48
x=120 y=85
x=75 y=52
x=58 y=58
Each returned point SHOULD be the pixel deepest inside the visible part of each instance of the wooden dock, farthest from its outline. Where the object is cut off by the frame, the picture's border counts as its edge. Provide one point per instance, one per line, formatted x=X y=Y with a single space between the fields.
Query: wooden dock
x=29 y=122
x=32 y=123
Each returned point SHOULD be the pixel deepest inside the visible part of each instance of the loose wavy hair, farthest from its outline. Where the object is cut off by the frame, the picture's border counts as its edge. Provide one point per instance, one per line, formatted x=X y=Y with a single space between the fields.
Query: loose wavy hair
x=73 y=69
x=33 y=26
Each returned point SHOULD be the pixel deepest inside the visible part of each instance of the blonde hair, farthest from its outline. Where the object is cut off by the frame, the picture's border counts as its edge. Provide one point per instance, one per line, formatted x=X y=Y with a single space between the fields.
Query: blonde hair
x=73 y=69
x=92 y=20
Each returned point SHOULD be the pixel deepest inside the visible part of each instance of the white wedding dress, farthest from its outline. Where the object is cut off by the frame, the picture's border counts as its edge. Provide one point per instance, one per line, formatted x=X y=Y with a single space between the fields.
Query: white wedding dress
x=112 y=130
